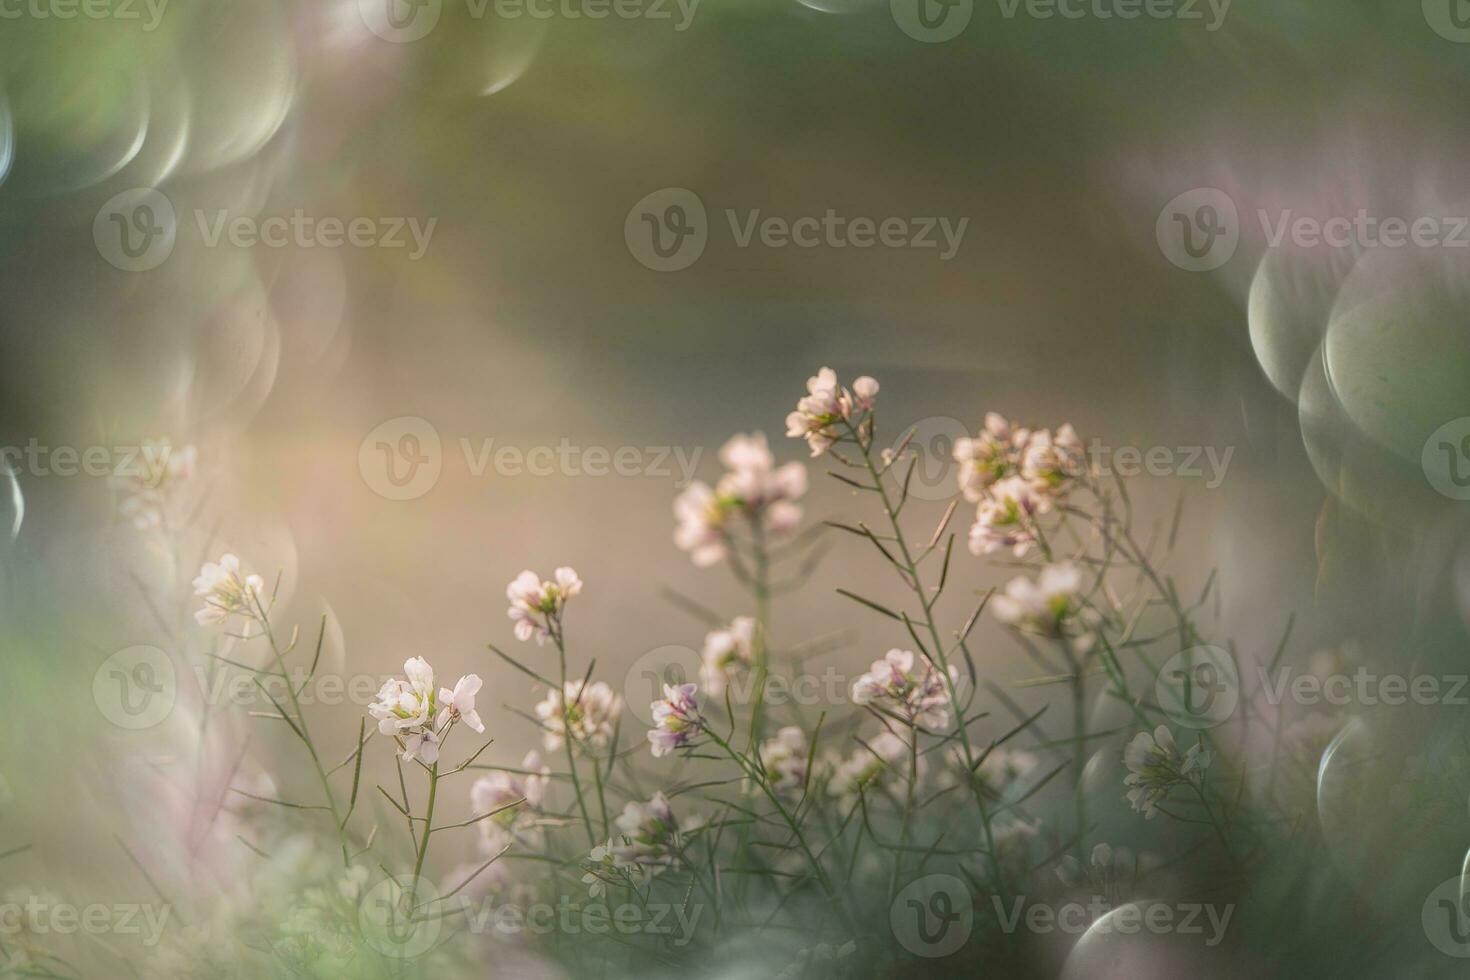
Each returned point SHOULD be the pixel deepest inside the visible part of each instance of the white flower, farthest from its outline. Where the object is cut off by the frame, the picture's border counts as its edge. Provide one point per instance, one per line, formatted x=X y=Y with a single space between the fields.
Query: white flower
x=497 y=790
x=676 y=719
x=883 y=759
x=459 y=704
x=605 y=867
x=1006 y=517
x=536 y=606
x=753 y=487
x=1050 y=462
x=149 y=488
x=593 y=712
x=909 y=687
x=649 y=836
x=757 y=487
x=408 y=709
x=991 y=456
x=1156 y=766
x=1052 y=606
x=825 y=405
x=225 y=592
x=732 y=648
x=701 y=522
x=784 y=759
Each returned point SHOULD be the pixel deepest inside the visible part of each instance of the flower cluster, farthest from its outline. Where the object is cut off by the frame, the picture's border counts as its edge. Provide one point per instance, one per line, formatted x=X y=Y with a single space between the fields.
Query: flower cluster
x=603 y=867
x=1014 y=475
x=753 y=487
x=650 y=836
x=496 y=792
x=826 y=406
x=408 y=708
x=148 y=495
x=536 y=606
x=1051 y=606
x=676 y=719
x=1155 y=766
x=726 y=650
x=590 y=713
x=784 y=759
x=226 y=592
x=908 y=686
x=880 y=760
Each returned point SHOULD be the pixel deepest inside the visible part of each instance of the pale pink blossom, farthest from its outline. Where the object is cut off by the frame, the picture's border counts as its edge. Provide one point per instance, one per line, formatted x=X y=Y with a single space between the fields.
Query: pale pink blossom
x=592 y=713
x=649 y=835
x=784 y=758
x=827 y=408
x=459 y=704
x=150 y=484
x=536 y=606
x=226 y=592
x=1051 y=606
x=676 y=719
x=727 y=650
x=908 y=686
x=1006 y=518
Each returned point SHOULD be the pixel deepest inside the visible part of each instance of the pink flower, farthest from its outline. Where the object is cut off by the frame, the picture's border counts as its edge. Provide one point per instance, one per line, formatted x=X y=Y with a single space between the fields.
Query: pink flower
x=676 y=719
x=753 y=488
x=1006 y=518
x=536 y=606
x=826 y=405
x=226 y=592
x=732 y=648
x=907 y=686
